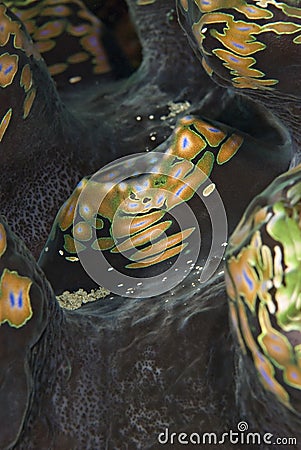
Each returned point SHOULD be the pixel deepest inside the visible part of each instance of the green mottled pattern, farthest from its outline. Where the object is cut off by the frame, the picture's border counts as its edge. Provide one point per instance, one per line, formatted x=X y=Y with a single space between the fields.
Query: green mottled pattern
x=263 y=278
x=240 y=41
x=133 y=212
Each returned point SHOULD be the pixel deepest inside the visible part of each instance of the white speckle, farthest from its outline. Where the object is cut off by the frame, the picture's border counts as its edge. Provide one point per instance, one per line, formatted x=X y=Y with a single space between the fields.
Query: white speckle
x=139 y=284
x=176 y=270
x=138 y=118
x=74 y=80
x=120 y=285
x=110 y=269
x=189 y=262
x=46 y=249
x=130 y=291
x=221 y=272
x=208 y=190
x=224 y=244
x=175 y=109
x=203 y=30
x=61 y=252
x=151 y=117
x=164 y=279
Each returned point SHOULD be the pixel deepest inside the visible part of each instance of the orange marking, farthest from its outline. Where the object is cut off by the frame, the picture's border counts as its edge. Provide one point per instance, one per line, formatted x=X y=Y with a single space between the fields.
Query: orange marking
x=82 y=231
x=30 y=26
x=142 y=238
x=45 y=46
x=214 y=138
x=100 y=60
x=77 y=31
x=15 y=307
x=69 y=245
x=188 y=144
x=49 y=30
x=158 y=259
x=63 y=11
x=206 y=163
x=162 y=245
x=207 y=68
x=56 y=69
x=229 y=148
x=78 y=58
x=29 y=99
x=103 y=244
x=26 y=78
x=3 y=241
x=292 y=375
x=9 y=67
x=261 y=363
x=184 y=4
x=5 y=122
x=126 y=226
x=66 y=213
x=8 y=26
x=28 y=13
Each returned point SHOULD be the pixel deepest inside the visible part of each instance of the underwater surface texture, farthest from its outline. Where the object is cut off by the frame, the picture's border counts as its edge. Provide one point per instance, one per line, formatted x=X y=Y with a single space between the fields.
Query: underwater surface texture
x=150 y=162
